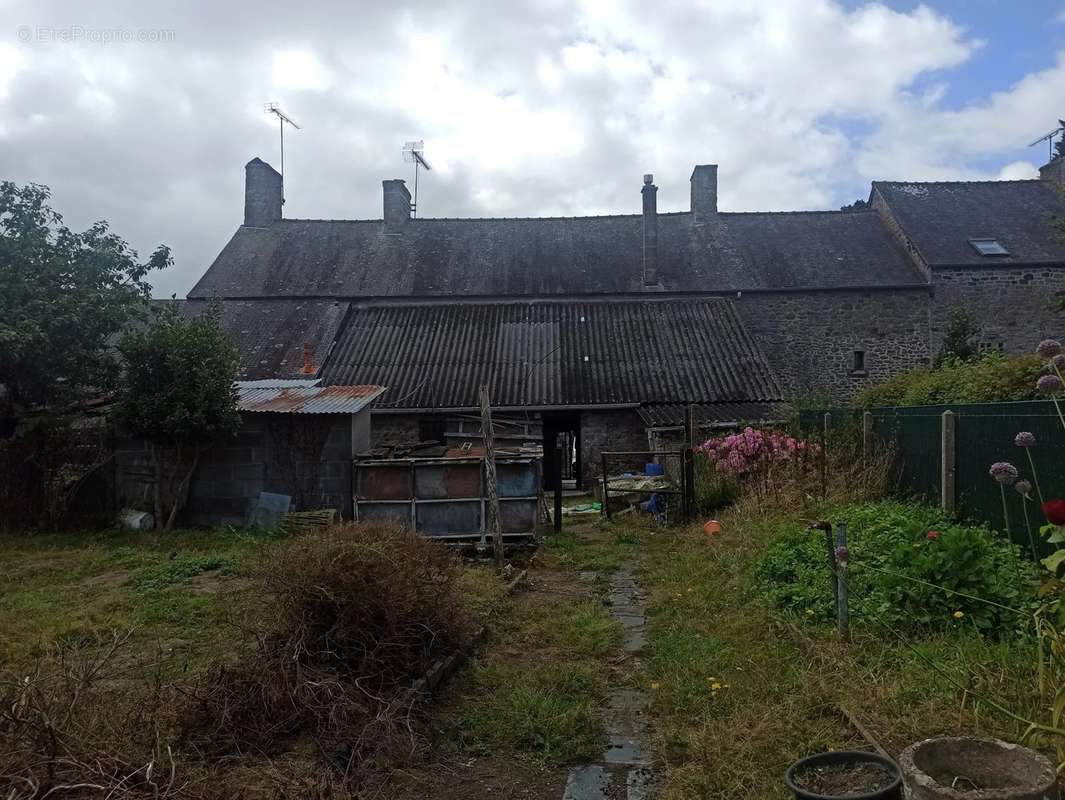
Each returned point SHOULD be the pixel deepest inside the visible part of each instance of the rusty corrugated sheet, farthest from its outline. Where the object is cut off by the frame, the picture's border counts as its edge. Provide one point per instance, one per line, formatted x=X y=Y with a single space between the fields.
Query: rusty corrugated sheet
x=305 y=399
x=554 y=354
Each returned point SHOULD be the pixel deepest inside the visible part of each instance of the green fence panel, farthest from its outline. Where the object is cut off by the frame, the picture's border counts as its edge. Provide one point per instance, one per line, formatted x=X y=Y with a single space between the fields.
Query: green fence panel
x=984 y=434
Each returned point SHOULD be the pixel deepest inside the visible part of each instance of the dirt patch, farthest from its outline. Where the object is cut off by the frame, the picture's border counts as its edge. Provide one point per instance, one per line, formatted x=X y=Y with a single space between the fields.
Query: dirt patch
x=843 y=779
x=215 y=581
x=477 y=779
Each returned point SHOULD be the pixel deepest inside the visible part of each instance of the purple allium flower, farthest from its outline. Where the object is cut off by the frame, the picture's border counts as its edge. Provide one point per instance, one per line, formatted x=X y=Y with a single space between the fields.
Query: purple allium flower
x=1059 y=361
x=1048 y=383
x=1023 y=487
x=842 y=554
x=1003 y=472
x=1024 y=439
x=1048 y=348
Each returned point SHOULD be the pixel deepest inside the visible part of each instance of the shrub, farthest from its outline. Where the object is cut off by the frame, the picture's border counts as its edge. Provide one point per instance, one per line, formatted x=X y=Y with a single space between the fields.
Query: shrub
x=991 y=378
x=906 y=541
x=353 y=617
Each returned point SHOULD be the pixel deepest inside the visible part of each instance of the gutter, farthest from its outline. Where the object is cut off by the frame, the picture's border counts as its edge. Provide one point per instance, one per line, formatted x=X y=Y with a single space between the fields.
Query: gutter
x=514 y=409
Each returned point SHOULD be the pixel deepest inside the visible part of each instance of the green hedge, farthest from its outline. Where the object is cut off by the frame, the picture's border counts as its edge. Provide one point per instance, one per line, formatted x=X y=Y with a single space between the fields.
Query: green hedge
x=991 y=378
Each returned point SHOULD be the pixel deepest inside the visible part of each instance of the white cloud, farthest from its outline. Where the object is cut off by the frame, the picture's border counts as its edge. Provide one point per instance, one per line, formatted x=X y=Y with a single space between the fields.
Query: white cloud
x=1017 y=171
x=547 y=107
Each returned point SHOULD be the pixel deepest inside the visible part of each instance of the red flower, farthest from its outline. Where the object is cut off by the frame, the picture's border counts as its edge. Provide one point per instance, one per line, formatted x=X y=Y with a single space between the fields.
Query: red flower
x=1054 y=510
x=932 y=535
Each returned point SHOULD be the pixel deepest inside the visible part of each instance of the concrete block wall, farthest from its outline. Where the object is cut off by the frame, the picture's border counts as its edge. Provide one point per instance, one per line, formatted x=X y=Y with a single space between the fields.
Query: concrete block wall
x=230 y=474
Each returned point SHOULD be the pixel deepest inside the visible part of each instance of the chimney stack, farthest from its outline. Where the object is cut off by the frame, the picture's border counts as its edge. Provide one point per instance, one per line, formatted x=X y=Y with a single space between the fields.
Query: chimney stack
x=263 y=194
x=704 y=194
x=397 y=205
x=308 y=367
x=650 y=231
x=1054 y=171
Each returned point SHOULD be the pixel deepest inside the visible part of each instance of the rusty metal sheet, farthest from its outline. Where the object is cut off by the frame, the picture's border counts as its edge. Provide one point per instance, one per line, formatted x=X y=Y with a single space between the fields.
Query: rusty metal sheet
x=435 y=519
x=517 y=480
x=517 y=516
x=281 y=399
x=384 y=483
x=399 y=512
x=439 y=481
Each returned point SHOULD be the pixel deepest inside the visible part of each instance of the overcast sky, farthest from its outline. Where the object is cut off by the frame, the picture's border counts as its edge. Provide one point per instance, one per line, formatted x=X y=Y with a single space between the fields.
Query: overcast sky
x=526 y=109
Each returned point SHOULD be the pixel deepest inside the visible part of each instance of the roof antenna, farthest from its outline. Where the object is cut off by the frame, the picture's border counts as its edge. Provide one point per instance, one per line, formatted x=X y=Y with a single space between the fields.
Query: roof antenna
x=282 y=118
x=1049 y=139
x=412 y=154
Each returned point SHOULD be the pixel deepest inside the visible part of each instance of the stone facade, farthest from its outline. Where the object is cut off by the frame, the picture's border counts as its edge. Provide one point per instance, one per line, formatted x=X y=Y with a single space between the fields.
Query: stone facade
x=610 y=430
x=1015 y=307
x=811 y=338
x=265 y=456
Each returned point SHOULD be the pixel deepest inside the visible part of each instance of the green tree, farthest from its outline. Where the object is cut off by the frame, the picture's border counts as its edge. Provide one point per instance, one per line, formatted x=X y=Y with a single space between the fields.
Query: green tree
x=1059 y=145
x=958 y=336
x=178 y=394
x=63 y=297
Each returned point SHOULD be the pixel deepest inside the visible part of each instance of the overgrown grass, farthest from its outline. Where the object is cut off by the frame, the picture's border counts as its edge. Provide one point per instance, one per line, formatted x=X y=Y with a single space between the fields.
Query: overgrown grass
x=536 y=690
x=737 y=696
x=593 y=544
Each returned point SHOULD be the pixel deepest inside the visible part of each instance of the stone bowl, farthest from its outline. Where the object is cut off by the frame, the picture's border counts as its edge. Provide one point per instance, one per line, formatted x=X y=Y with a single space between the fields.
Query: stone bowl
x=972 y=768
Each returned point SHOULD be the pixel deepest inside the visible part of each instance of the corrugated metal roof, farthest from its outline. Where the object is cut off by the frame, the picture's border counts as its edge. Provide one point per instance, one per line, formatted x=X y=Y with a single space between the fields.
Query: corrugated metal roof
x=305 y=399
x=669 y=415
x=553 y=354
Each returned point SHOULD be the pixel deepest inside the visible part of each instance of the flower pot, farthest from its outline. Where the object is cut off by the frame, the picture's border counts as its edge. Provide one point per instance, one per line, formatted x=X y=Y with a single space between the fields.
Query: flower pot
x=850 y=774
x=971 y=768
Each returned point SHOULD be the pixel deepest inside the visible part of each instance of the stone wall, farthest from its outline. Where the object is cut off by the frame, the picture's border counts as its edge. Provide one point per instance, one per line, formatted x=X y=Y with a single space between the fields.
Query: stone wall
x=810 y=338
x=610 y=430
x=265 y=456
x=394 y=429
x=1014 y=306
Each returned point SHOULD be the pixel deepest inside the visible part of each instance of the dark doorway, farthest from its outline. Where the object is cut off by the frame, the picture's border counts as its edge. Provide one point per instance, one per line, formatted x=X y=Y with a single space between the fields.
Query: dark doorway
x=562 y=430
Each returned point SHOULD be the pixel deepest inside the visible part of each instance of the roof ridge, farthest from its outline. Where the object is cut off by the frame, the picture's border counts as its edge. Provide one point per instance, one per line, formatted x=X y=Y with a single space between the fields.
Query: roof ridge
x=802 y=211
x=956 y=183
x=636 y=215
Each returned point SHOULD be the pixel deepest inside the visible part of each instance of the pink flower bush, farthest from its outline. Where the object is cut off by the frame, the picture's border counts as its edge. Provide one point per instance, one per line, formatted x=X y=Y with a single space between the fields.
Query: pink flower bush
x=740 y=454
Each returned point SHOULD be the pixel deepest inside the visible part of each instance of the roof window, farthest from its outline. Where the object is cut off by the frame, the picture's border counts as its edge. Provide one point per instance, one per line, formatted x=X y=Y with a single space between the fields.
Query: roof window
x=989 y=247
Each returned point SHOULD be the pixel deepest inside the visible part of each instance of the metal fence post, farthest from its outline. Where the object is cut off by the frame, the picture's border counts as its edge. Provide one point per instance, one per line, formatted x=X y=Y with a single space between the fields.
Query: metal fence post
x=825 y=424
x=843 y=614
x=867 y=435
x=948 y=464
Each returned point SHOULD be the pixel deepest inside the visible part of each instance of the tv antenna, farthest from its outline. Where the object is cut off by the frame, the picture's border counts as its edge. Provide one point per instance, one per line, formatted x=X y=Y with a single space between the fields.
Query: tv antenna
x=413 y=154
x=1049 y=139
x=282 y=118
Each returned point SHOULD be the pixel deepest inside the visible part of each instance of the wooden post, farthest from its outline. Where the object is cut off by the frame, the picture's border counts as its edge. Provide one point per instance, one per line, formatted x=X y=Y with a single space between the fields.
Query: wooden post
x=839 y=555
x=948 y=464
x=867 y=436
x=556 y=465
x=689 y=425
x=688 y=483
x=606 y=490
x=492 y=522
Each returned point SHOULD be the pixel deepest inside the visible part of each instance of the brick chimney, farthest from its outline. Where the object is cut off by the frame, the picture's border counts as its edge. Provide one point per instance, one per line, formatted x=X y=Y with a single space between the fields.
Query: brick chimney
x=1054 y=171
x=263 y=193
x=397 y=205
x=308 y=367
x=704 y=194
x=650 y=231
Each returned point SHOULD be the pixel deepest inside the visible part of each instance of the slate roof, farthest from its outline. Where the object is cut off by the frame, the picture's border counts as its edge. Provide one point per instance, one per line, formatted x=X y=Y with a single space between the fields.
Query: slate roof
x=941 y=218
x=554 y=256
x=672 y=415
x=571 y=353
x=270 y=334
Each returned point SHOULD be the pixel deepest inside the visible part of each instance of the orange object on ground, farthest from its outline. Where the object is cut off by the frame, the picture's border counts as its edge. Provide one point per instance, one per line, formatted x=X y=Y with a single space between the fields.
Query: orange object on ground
x=712 y=527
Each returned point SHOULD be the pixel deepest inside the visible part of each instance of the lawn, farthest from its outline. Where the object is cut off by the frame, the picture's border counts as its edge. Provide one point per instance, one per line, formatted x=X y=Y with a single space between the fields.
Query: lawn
x=739 y=692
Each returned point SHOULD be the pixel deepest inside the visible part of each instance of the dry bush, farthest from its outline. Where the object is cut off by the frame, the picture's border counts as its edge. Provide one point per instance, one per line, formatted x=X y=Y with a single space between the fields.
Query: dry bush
x=351 y=618
x=87 y=721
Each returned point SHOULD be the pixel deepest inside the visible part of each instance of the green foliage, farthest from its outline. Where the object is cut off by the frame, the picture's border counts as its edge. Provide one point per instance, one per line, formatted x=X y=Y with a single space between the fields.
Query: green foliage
x=167 y=573
x=1059 y=145
x=991 y=378
x=889 y=546
x=857 y=205
x=178 y=387
x=63 y=295
x=713 y=490
x=957 y=338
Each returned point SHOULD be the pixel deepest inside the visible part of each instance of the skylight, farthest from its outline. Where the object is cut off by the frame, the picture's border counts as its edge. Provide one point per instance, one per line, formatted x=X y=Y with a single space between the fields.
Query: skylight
x=989 y=247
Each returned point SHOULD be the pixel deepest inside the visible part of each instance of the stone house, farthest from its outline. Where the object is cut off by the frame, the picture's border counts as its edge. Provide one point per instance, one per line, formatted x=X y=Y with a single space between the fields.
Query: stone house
x=604 y=328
